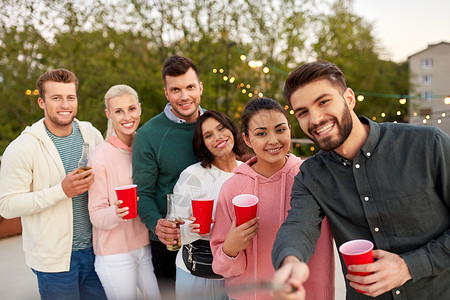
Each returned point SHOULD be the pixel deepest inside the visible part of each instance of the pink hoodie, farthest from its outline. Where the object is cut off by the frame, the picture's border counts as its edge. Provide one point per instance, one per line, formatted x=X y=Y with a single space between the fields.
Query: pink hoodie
x=254 y=264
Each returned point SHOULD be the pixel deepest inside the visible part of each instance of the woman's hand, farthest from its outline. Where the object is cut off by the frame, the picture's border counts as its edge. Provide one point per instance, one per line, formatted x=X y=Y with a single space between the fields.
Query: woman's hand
x=121 y=212
x=240 y=237
x=195 y=227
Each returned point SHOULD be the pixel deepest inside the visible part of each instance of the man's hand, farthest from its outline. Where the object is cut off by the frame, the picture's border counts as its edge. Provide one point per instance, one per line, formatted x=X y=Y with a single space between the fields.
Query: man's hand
x=388 y=272
x=292 y=274
x=167 y=231
x=240 y=237
x=77 y=183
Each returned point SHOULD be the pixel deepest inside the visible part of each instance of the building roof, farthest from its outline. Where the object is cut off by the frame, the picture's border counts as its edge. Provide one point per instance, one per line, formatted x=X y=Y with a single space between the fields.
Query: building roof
x=429 y=47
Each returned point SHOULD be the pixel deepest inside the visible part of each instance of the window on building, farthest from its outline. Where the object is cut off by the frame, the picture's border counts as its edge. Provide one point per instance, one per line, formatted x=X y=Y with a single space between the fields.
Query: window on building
x=427 y=96
x=427 y=63
x=427 y=79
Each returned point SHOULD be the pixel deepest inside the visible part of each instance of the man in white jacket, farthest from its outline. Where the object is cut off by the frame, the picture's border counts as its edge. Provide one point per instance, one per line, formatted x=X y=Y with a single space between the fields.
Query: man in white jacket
x=41 y=183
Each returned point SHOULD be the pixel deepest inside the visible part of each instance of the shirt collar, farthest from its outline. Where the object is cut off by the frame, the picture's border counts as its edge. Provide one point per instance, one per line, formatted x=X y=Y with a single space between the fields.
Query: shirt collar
x=368 y=147
x=171 y=116
x=372 y=140
x=116 y=142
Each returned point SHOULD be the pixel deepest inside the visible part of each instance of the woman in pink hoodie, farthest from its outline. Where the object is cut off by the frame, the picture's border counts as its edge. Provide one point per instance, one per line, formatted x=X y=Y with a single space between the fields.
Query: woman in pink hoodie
x=123 y=260
x=242 y=254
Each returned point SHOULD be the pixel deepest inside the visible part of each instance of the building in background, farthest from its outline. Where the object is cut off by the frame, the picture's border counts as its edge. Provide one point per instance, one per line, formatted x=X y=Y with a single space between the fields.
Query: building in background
x=430 y=86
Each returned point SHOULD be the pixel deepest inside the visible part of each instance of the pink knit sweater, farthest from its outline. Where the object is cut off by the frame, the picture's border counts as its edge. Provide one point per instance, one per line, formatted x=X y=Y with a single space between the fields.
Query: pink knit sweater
x=254 y=263
x=111 y=165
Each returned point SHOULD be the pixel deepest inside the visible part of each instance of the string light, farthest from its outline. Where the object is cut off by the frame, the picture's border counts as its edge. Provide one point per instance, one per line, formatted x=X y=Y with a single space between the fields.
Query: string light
x=447 y=100
x=29 y=92
x=402 y=101
x=360 y=98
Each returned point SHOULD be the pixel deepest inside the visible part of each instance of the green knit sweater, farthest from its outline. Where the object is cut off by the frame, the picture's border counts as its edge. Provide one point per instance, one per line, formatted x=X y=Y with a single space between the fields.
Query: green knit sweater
x=162 y=149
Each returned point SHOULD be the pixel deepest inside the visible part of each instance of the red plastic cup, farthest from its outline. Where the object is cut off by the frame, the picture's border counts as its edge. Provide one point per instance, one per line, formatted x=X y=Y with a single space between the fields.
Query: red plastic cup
x=245 y=207
x=357 y=252
x=202 y=210
x=128 y=194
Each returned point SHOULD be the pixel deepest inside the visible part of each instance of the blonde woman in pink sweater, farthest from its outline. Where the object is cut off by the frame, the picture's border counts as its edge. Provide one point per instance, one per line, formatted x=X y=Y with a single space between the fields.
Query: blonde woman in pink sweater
x=123 y=259
x=242 y=254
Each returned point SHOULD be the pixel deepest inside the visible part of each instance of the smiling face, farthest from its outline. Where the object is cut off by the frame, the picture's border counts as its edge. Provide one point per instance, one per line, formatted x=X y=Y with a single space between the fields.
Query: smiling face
x=269 y=136
x=323 y=113
x=60 y=106
x=217 y=138
x=183 y=93
x=124 y=112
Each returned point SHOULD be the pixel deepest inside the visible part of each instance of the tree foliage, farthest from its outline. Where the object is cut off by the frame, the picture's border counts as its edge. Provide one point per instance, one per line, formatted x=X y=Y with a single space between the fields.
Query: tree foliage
x=107 y=42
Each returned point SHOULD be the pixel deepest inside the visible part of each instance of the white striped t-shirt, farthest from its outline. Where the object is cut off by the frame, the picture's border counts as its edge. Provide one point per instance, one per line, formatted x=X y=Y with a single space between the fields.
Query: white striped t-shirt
x=70 y=148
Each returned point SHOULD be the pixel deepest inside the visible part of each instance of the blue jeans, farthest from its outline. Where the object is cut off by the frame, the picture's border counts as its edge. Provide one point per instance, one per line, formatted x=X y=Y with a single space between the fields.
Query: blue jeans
x=80 y=282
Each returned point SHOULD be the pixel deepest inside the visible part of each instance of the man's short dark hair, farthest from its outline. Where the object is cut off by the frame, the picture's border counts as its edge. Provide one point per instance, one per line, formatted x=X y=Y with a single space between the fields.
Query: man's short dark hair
x=177 y=65
x=311 y=72
x=57 y=75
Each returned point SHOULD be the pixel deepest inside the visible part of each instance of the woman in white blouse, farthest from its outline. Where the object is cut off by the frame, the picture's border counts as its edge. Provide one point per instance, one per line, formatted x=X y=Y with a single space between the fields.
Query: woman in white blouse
x=217 y=142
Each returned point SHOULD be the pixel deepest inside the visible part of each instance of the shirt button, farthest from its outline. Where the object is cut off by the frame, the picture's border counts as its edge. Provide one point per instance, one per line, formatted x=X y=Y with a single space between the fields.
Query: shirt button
x=376 y=229
x=397 y=292
x=357 y=166
x=368 y=153
x=366 y=198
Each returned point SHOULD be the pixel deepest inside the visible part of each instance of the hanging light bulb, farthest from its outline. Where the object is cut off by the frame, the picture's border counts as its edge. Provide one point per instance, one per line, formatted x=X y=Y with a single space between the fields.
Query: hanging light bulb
x=402 y=101
x=360 y=98
x=266 y=70
x=243 y=57
x=447 y=100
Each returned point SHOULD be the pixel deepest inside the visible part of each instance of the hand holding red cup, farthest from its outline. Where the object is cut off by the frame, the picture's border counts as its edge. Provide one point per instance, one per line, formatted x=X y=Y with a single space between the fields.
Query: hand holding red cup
x=357 y=252
x=128 y=194
x=202 y=210
x=245 y=208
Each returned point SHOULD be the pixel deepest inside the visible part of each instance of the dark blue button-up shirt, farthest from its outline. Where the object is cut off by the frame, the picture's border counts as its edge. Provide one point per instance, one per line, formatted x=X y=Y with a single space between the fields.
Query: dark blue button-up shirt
x=395 y=193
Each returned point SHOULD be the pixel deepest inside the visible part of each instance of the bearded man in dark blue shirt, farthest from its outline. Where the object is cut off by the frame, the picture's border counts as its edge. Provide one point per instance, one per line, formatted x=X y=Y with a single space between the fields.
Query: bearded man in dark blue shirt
x=387 y=183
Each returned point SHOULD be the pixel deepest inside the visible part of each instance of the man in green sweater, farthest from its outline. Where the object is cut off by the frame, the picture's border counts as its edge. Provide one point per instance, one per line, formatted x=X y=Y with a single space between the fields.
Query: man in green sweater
x=162 y=149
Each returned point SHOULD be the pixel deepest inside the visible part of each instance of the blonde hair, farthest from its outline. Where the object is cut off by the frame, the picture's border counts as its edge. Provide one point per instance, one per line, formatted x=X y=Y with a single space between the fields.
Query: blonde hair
x=116 y=91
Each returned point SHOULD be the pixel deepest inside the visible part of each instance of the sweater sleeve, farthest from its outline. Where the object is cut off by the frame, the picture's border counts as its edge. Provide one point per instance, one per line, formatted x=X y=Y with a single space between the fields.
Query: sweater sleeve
x=222 y=263
x=16 y=180
x=102 y=212
x=145 y=175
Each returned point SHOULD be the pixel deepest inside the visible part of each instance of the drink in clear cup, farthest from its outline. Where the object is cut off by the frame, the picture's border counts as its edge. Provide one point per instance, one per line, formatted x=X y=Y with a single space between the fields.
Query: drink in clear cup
x=202 y=209
x=128 y=194
x=245 y=207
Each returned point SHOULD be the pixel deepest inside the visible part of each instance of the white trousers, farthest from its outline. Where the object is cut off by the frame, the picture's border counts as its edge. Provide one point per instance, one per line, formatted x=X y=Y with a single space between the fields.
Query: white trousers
x=122 y=273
